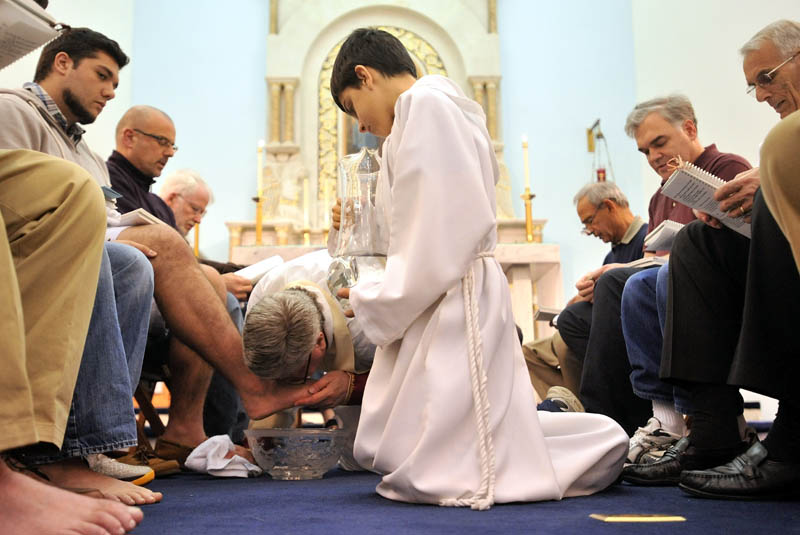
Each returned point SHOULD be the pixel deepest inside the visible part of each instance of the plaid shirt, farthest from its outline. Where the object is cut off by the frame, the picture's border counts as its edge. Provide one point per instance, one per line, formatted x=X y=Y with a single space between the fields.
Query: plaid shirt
x=75 y=132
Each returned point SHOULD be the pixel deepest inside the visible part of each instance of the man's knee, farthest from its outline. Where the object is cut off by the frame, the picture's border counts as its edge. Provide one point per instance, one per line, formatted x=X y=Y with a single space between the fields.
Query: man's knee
x=216 y=281
x=163 y=239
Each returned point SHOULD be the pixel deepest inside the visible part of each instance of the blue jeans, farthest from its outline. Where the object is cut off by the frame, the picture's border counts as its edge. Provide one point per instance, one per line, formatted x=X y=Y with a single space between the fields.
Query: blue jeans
x=644 y=307
x=101 y=417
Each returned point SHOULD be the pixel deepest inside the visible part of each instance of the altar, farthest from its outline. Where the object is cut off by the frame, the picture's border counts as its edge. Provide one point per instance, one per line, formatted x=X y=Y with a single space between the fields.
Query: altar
x=533 y=271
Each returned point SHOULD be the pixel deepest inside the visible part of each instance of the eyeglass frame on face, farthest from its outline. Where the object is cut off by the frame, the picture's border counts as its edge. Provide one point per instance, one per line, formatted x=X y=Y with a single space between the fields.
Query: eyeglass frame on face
x=590 y=220
x=763 y=79
x=196 y=209
x=161 y=140
x=298 y=380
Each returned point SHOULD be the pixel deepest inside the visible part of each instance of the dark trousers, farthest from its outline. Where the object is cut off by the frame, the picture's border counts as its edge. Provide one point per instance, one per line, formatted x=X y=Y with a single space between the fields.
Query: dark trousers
x=605 y=381
x=732 y=308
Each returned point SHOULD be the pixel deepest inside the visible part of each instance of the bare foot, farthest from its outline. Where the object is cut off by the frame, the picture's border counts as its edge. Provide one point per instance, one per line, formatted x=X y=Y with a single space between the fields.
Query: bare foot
x=28 y=506
x=73 y=473
x=241 y=451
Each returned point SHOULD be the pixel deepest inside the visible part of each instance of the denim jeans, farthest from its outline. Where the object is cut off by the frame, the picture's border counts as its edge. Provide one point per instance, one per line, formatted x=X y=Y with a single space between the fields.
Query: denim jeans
x=101 y=416
x=644 y=308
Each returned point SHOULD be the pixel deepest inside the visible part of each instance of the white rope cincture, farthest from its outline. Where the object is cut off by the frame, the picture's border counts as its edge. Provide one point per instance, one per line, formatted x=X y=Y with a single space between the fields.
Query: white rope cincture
x=483 y=498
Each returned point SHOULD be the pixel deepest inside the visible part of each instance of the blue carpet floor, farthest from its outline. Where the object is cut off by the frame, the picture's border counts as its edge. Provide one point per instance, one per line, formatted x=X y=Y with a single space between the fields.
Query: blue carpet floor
x=346 y=503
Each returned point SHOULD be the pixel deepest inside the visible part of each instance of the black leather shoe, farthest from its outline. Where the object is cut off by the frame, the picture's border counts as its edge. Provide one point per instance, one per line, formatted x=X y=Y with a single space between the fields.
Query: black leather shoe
x=681 y=456
x=750 y=476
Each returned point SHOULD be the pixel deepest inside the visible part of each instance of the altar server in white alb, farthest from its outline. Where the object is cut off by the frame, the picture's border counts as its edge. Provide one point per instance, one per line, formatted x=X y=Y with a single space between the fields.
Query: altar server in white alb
x=448 y=414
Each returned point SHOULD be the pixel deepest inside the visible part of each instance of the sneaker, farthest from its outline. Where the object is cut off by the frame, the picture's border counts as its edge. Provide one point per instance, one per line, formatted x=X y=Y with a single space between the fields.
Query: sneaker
x=138 y=475
x=564 y=399
x=144 y=456
x=649 y=443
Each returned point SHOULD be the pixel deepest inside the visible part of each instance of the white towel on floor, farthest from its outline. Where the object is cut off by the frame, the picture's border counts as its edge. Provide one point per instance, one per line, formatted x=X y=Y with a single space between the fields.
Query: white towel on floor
x=209 y=458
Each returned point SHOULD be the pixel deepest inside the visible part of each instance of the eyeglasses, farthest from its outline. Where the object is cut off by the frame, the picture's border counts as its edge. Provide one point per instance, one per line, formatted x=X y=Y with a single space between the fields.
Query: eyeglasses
x=164 y=142
x=196 y=209
x=763 y=79
x=298 y=380
x=589 y=220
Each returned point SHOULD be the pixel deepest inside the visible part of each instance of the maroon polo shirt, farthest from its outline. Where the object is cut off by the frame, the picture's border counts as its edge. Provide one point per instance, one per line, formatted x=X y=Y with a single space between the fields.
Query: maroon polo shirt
x=722 y=164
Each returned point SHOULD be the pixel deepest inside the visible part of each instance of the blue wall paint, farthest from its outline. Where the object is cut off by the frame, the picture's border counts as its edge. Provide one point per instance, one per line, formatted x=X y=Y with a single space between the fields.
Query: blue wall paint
x=204 y=64
x=564 y=65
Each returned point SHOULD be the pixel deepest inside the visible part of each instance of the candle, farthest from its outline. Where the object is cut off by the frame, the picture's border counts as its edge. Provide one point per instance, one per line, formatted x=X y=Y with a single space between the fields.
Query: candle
x=259 y=220
x=197 y=240
x=260 y=168
x=305 y=203
x=525 y=158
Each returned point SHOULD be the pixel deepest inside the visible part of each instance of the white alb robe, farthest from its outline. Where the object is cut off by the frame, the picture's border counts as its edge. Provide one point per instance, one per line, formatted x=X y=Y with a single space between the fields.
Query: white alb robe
x=418 y=424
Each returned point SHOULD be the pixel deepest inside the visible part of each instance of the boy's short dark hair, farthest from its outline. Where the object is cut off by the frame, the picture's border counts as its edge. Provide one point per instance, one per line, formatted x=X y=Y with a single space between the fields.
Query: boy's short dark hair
x=78 y=43
x=372 y=48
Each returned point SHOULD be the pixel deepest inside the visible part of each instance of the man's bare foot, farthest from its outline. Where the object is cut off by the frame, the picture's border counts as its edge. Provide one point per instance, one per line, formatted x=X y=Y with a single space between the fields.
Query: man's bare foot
x=74 y=473
x=191 y=435
x=28 y=506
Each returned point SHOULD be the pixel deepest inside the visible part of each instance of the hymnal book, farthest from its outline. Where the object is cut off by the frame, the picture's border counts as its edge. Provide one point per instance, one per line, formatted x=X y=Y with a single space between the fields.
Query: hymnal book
x=695 y=188
x=647 y=261
x=24 y=27
x=661 y=237
x=254 y=272
x=140 y=216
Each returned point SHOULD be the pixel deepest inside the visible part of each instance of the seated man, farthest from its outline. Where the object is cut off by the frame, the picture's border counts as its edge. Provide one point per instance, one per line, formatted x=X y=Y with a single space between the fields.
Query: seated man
x=192 y=307
x=188 y=196
x=294 y=327
x=603 y=209
x=112 y=354
x=52 y=213
x=732 y=306
x=663 y=128
x=144 y=144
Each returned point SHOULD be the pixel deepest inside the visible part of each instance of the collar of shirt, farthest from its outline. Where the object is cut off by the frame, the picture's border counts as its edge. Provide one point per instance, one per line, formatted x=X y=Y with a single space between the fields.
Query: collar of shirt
x=633 y=229
x=144 y=181
x=74 y=131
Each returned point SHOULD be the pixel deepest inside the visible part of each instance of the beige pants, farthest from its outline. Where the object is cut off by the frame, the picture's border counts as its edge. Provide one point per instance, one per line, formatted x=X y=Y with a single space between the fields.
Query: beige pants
x=54 y=216
x=551 y=363
x=780 y=178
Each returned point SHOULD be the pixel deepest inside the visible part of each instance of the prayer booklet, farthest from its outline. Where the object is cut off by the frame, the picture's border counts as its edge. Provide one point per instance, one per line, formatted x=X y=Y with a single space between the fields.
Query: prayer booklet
x=661 y=237
x=140 y=216
x=695 y=188
x=647 y=261
x=254 y=272
x=24 y=27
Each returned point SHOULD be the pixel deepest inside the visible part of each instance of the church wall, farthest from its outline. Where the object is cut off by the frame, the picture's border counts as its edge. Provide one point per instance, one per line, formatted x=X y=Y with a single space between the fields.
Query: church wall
x=204 y=64
x=564 y=65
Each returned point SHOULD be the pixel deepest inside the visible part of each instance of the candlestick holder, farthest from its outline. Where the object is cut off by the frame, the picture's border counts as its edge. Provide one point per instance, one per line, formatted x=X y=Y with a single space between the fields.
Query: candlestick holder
x=259 y=219
x=528 y=197
x=306 y=236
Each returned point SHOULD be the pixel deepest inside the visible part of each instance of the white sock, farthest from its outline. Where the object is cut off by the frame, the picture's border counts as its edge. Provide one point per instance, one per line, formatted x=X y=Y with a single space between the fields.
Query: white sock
x=671 y=420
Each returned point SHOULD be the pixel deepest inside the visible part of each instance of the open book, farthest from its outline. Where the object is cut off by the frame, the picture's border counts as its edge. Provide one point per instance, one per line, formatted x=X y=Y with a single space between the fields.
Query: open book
x=140 y=216
x=24 y=27
x=254 y=272
x=695 y=188
x=647 y=261
x=661 y=237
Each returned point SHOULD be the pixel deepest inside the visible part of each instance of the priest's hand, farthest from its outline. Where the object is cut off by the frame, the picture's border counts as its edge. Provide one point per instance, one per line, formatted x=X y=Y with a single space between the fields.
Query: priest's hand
x=736 y=197
x=330 y=391
x=344 y=293
x=238 y=286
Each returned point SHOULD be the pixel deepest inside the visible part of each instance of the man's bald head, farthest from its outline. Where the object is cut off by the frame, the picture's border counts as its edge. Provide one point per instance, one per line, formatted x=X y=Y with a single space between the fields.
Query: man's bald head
x=146 y=137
